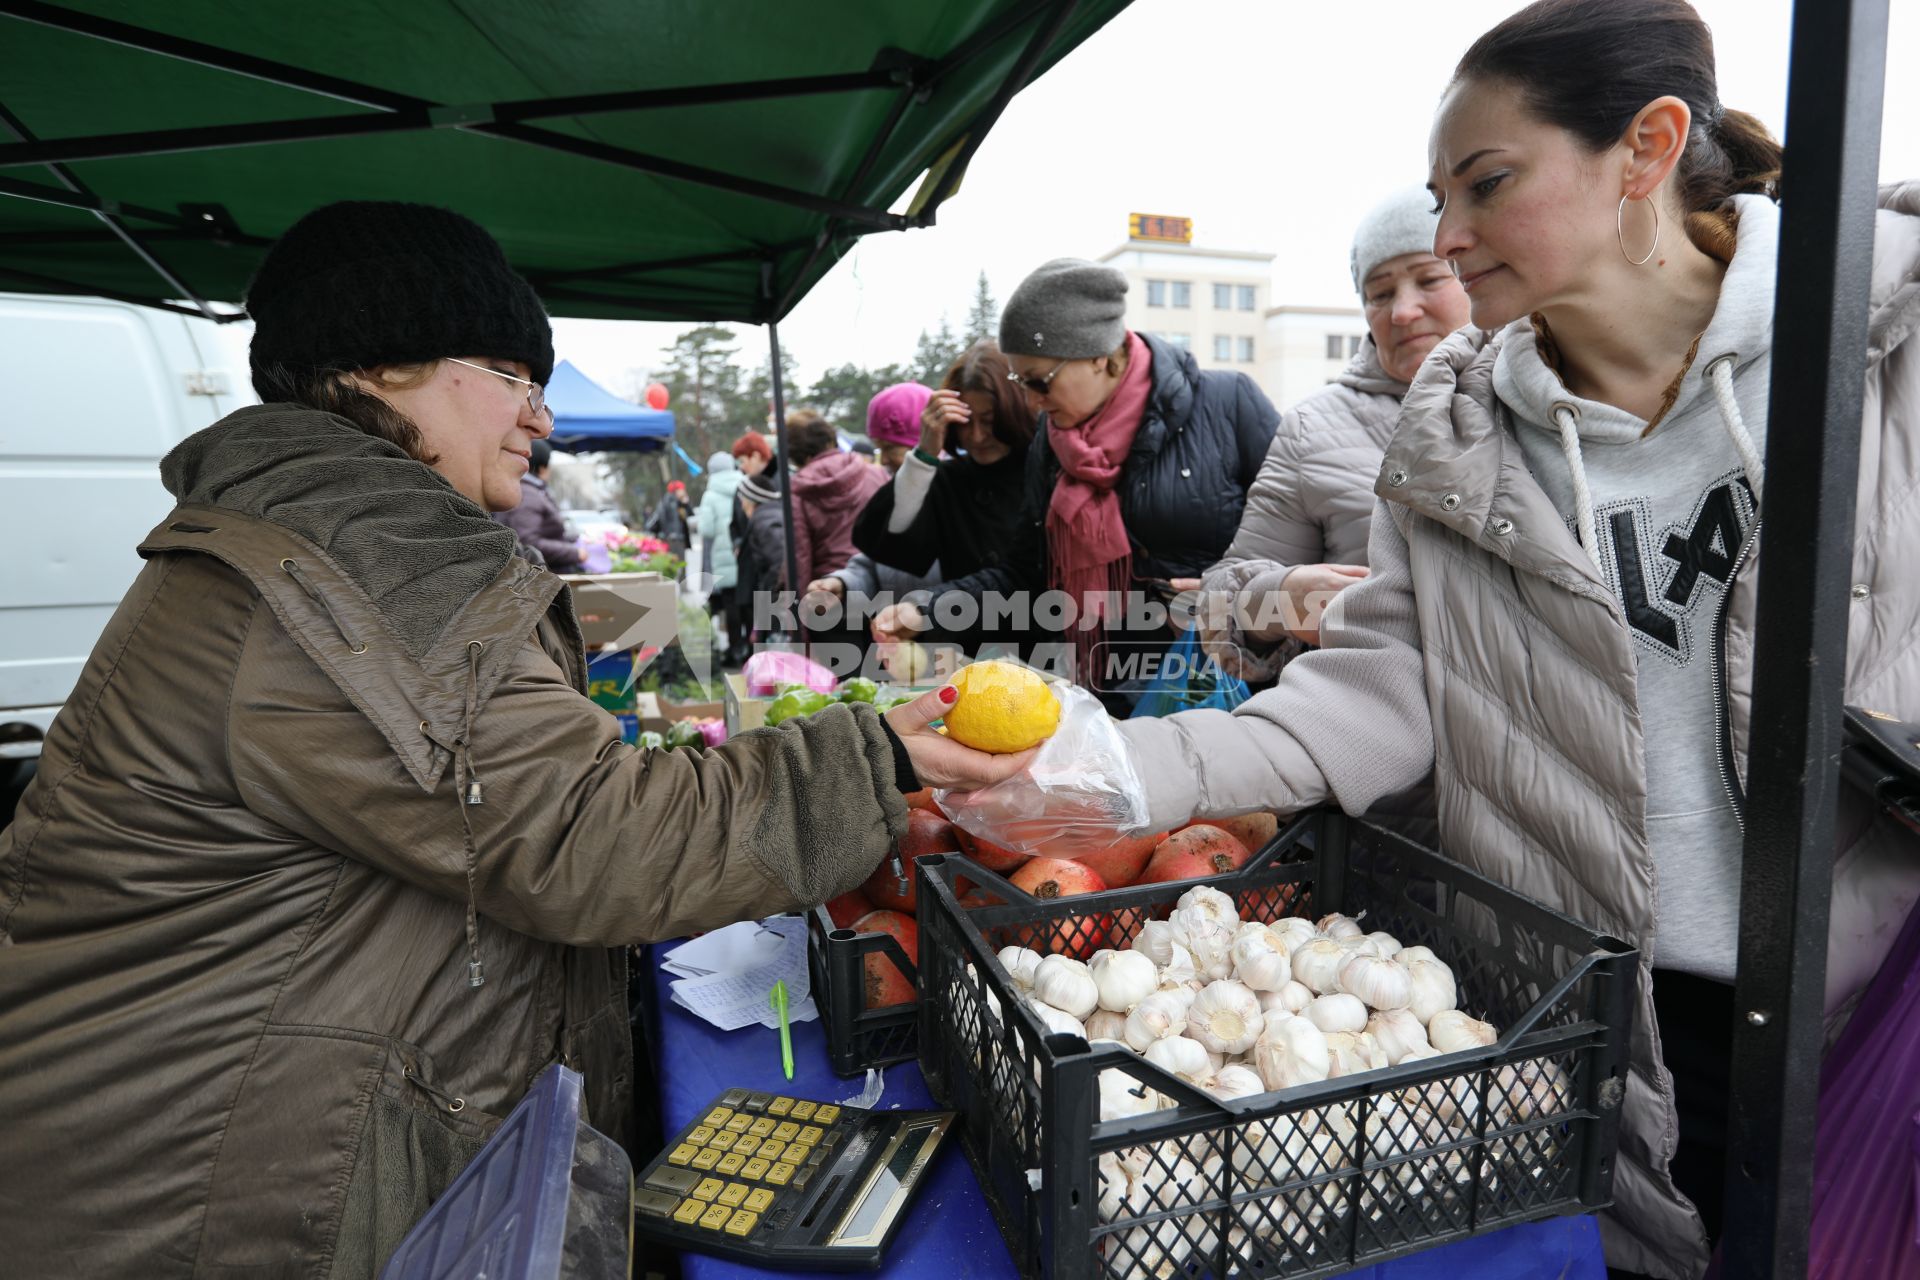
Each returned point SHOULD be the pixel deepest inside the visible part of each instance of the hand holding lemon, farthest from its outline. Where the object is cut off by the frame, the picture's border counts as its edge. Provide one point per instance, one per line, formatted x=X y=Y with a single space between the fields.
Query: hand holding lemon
x=995 y=713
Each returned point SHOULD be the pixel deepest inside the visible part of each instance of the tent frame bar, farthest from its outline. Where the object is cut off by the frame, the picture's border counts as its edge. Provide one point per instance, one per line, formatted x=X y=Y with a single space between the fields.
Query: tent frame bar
x=1834 y=102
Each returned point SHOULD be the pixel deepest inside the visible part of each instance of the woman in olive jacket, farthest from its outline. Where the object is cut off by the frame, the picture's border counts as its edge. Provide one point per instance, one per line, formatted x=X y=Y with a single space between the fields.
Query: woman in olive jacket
x=329 y=855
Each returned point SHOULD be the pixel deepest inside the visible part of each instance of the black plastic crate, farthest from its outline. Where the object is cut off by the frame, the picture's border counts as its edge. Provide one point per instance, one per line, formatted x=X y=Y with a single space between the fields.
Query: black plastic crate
x=1308 y=1181
x=858 y=1037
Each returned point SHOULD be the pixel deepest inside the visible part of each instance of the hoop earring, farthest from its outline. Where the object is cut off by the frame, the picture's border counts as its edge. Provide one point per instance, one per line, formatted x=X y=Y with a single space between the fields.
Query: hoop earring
x=1620 y=232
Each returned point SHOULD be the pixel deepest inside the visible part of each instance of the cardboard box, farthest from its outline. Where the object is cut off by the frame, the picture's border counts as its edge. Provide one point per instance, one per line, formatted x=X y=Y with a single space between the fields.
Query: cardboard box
x=634 y=610
x=610 y=680
x=743 y=710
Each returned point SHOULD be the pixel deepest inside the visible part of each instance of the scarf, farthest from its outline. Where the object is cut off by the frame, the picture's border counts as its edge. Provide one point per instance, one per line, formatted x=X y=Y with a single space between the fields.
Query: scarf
x=1088 y=554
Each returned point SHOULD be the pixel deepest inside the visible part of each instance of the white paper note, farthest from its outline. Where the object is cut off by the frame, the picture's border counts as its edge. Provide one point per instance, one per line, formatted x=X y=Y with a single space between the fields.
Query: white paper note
x=732 y=972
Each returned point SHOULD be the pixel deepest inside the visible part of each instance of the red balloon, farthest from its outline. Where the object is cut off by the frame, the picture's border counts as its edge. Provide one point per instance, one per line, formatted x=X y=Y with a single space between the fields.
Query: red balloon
x=656 y=396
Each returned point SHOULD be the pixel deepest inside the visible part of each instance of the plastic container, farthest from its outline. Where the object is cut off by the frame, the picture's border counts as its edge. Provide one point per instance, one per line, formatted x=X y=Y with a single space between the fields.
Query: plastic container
x=1311 y=1181
x=858 y=1037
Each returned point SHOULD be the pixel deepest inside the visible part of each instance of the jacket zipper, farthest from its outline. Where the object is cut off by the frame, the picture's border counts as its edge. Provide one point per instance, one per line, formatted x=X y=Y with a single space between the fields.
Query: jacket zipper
x=1722 y=710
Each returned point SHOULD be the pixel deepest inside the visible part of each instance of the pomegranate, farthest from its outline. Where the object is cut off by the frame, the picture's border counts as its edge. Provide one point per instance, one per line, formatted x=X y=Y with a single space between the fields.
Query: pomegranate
x=1194 y=853
x=885 y=983
x=848 y=907
x=1049 y=878
x=1120 y=864
x=988 y=854
x=1250 y=829
x=926 y=834
x=922 y=799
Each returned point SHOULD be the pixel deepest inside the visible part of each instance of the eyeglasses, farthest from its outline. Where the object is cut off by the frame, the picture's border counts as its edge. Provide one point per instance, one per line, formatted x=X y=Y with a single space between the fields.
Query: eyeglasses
x=536 y=394
x=1038 y=386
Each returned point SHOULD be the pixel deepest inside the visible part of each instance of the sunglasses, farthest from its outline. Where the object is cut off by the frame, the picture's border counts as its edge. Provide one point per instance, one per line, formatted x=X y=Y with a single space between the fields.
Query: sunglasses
x=1039 y=386
x=536 y=394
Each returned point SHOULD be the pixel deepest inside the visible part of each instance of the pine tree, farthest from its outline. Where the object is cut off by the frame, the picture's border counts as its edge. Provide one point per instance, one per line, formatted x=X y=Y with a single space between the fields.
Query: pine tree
x=934 y=353
x=983 y=316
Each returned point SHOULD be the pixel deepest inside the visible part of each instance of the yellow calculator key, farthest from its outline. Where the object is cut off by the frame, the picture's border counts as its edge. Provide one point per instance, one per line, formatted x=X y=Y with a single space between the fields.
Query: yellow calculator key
x=746 y=1145
x=811 y=1134
x=718 y=1115
x=708 y=1189
x=825 y=1115
x=730 y=1163
x=758 y=1199
x=706 y=1159
x=701 y=1136
x=786 y=1130
x=723 y=1140
x=780 y=1174
x=739 y=1123
x=755 y=1169
x=682 y=1153
x=772 y=1149
x=689 y=1210
x=803 y=1110
x=715 y=1217
x=732 y=1194
x=760 y=1128
x=742 y=1222
x=779 y=1106
x=797 y=1153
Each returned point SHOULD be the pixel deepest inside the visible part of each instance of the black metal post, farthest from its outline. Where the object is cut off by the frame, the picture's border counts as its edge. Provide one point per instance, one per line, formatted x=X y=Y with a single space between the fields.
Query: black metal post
x=794 y=585
x=1835 y=85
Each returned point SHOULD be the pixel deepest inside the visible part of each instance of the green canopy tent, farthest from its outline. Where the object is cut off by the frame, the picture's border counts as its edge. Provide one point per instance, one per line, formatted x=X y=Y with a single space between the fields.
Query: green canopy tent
x=641 y=161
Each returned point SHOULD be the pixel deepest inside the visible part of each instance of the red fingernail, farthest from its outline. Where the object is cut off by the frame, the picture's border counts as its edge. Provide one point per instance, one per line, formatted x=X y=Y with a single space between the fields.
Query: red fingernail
x=949 y=693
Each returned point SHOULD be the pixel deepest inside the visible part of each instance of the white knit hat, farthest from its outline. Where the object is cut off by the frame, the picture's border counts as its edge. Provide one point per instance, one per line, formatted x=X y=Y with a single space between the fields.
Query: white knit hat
x=1402 y=223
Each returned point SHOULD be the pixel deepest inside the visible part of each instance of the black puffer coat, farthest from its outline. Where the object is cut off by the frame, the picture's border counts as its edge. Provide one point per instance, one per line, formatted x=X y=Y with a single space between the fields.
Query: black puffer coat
x=1199 y=448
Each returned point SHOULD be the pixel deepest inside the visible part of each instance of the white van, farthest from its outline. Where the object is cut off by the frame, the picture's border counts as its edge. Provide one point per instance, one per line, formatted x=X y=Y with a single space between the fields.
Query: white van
x=94 y=394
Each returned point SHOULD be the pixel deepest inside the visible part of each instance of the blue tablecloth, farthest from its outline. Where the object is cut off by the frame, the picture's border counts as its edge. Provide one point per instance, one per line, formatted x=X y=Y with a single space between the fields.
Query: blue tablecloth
x=950 y=1234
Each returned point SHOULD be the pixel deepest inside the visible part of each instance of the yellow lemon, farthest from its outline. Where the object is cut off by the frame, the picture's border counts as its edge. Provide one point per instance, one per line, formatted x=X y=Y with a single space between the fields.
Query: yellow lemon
x=1002 y=708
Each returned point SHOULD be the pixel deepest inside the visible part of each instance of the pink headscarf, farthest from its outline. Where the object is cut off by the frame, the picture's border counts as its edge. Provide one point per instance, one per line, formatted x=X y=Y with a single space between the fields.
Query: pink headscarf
x=893 y=416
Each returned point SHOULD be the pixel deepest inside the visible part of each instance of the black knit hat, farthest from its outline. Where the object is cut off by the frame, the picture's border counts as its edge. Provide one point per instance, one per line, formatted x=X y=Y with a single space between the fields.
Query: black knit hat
x=365 y=283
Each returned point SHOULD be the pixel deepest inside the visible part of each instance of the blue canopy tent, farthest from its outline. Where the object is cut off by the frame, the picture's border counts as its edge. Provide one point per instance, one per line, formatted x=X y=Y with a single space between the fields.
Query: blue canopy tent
x=587 y=418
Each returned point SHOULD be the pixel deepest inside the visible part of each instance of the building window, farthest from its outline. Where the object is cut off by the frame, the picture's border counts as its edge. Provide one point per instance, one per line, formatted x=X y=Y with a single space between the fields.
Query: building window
x=1156 y=293
x=1223 y=297
x=1182 y=294
x=1222 y=348
x=1184 y=341
x=1353 y=345
x=1246 y=351
x=1246 y=297
x=1336 y=345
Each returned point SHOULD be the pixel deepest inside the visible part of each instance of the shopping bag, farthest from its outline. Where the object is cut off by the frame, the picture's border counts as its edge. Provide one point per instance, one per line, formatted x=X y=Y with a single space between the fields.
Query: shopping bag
x=1188 y=680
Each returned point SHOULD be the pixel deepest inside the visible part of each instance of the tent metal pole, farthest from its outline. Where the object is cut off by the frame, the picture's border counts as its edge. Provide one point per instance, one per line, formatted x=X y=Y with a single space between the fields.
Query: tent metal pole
x=1834 y=103
x=794 y=585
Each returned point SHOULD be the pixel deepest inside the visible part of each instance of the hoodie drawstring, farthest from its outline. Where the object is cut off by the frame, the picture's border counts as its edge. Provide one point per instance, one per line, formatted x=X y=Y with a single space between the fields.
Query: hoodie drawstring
x=1567 y=418
x=292 y=569
x=1720 y=378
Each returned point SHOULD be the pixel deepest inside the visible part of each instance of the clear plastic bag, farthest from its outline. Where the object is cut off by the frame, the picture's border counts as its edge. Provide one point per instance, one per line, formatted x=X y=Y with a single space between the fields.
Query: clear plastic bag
x=1081 y=793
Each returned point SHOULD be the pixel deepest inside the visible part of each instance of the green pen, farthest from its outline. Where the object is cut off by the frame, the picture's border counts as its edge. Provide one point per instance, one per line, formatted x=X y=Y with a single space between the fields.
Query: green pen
x=778 y=999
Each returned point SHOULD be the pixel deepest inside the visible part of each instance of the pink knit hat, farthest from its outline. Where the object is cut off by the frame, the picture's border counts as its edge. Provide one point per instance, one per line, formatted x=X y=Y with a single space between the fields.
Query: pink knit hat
x=893 y=416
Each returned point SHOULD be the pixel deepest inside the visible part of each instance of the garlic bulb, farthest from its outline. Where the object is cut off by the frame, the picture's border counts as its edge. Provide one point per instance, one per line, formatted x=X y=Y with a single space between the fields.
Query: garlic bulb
x=1380 y=984
x=1155 y=942
x=1116 y=1179
x=1294 y=932
x=1529 y=1090
x=1121 y=1096
x=1065 y=983
x=1291 y=1051
x=1226 y=1018
x=1208 y=938
x=1161 y=1250
x=1185 y=1058
x=1317 y=965
x=1291 y=998
x=1451 y=1031
x=1235 y=1082
x=1105 y=1024
x=1337 y=926
x=1161 y=1016
x=1209 y=901
x=1020 y=963
x=1351 y=1052
x=1056 y=1021
x=1122 y=979
x=1430 y=989
x=1407 y=955
x=1178 y=971
x=1337 y=1012
x=1386 y=946
x=1260 y=964
x=1398 y=1033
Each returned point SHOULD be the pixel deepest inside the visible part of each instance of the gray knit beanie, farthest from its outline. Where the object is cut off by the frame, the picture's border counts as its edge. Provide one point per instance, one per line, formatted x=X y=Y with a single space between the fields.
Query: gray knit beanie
x=1402 y=223
x=1068 y=309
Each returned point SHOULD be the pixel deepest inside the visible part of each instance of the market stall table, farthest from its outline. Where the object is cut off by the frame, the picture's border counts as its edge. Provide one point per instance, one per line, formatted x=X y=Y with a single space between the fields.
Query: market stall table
x=949 y=1232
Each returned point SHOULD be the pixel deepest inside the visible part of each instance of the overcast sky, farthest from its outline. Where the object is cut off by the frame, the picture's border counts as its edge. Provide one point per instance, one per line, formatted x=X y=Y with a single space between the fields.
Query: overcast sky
x=1271 y=123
